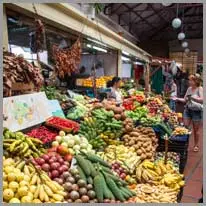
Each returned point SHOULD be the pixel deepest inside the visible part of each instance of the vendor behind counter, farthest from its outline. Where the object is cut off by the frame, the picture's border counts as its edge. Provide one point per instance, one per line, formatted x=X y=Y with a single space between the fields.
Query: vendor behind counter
x=71 y=81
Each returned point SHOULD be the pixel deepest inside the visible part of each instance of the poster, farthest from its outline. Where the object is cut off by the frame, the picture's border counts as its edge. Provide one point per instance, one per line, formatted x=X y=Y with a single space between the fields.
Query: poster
x=23 y=111
x=55 y=108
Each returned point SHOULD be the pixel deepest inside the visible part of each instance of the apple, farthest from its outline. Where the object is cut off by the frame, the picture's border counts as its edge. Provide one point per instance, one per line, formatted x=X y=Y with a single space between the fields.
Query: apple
x=68 y=157
x=55 y=144
x=45 y=167
x=62 y=150
x=55 y=173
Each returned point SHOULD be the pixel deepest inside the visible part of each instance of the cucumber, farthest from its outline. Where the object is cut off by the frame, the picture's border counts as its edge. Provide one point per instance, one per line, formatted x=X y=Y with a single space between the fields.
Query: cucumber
x=81 y=173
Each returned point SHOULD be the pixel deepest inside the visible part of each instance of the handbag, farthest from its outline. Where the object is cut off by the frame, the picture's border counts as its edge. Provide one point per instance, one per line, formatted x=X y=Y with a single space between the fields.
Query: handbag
x=194 y=106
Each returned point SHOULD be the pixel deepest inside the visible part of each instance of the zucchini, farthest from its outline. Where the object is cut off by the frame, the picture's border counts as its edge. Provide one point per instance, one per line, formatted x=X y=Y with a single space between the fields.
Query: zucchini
x=98 y=181
x=92 y=169
x=106 y=191
x=116 y=179
x=81 y=173
x=96 y=159
x=106 y=169
x=83 y=163
x=90 y=180
x=115 y=190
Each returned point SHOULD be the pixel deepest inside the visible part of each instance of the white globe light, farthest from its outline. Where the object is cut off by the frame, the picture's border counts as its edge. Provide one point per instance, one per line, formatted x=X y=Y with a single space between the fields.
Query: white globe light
x=184 y=44
x=187 y=50
x=181 y=36
x=176 y=23
x=166 y=4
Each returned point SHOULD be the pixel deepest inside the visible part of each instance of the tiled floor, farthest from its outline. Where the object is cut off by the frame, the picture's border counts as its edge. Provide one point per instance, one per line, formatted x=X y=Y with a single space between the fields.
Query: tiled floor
x=193 y=175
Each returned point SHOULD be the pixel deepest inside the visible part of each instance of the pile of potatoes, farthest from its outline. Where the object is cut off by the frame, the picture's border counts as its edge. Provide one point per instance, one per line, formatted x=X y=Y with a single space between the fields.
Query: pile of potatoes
x=144 y=140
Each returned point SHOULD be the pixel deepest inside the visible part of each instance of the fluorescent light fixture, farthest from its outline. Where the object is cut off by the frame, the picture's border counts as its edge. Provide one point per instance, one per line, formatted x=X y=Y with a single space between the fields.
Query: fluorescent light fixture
x=99 y=49
x=125 y=53
x=138 y=63
x=96 y=42
x=89 y=45
x=125 y=59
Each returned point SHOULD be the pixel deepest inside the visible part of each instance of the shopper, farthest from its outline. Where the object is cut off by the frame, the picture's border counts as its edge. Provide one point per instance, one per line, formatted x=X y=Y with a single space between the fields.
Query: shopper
x=115 y=90
x=193 y=112
x=173 y=94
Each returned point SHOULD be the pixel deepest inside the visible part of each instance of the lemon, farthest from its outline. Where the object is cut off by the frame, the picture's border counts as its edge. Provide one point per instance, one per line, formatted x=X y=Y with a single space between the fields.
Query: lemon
x=20 y=177
x=26 y=199
x=23 y=183
x=14 y=186
x=8 y=162
x=36 y=201
x=4 y=176
x=32 y=188
x=11 y=177
x=5 y=185
x=8 y=169
x=8 y=194
x=17 y=171
x=23 y=191
x=14 y=200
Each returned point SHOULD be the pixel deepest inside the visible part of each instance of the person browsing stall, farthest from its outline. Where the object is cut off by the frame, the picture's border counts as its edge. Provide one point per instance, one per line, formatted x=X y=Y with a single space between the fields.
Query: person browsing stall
x=193 y=112
x=115 y=92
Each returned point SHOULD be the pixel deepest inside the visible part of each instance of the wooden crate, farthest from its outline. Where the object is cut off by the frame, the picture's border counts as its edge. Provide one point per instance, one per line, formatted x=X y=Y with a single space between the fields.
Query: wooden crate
x=22 y=86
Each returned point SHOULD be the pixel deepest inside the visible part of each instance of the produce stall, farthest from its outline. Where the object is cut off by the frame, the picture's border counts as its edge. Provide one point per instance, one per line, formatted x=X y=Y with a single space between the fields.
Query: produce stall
x=100 y=152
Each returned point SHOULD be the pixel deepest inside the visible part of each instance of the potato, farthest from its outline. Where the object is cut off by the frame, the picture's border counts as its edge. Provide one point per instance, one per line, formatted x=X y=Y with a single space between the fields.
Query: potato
x=117 y=116
x=139 y=152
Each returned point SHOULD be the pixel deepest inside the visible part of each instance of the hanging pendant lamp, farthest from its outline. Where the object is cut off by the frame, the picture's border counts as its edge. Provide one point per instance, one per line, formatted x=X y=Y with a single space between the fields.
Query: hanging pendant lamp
x=176 y=22
x=184 y=44
x=187 y=50
x=181 y=36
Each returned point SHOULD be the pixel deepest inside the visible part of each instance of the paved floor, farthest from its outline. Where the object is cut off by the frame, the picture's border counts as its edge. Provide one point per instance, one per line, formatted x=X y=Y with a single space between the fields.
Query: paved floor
x=193 y=174
x=193 y=171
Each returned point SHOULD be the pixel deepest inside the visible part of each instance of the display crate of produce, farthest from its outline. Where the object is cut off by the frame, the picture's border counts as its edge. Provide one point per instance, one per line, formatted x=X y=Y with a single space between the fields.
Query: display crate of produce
x=63 y=124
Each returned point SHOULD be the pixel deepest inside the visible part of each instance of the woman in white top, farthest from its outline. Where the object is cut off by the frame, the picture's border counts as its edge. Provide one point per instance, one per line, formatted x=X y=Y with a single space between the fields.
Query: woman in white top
x=115 y=90
x=194 y=93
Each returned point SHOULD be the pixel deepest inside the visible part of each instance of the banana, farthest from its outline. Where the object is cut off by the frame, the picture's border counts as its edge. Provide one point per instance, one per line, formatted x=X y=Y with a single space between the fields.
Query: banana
x=34 y=179
x=58 y=197
x=36 y=194
x=46 y=197
x=59 y=187
x=41 y=193
x=38 y=180
x=152 y=172
x=26 y=171
x=51 y=186
x=163 y=168
x=158 y=170
x=62 y=193
x=48 y=190
x=139 y=173
x=14 y=144
x=144 y=176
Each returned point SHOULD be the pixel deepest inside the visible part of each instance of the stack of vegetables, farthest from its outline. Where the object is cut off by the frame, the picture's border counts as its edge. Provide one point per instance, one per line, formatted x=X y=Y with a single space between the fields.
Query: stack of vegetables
x=107 y=186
